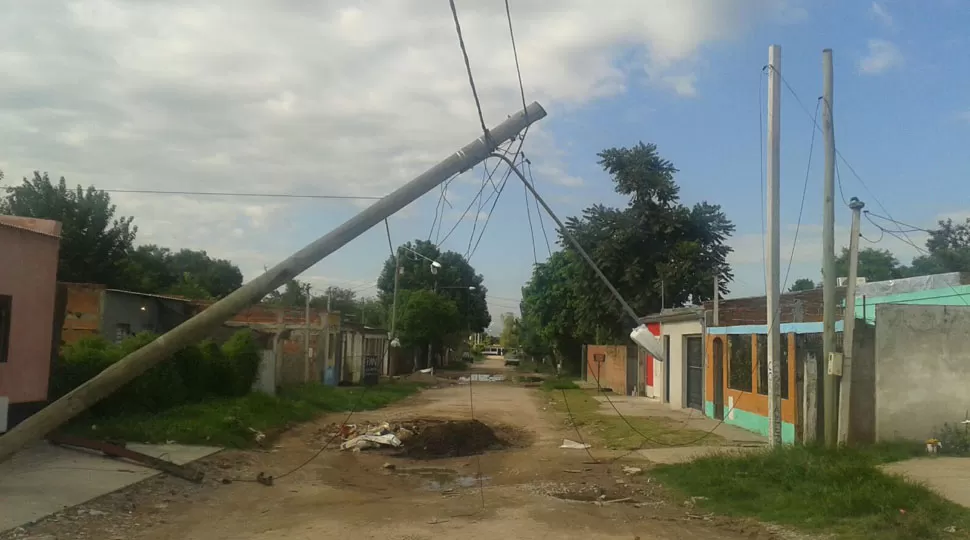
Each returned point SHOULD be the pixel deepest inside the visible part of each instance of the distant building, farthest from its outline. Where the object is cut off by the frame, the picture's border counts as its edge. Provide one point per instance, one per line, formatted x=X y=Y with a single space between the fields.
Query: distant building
x=114 y=314
x=28 y=285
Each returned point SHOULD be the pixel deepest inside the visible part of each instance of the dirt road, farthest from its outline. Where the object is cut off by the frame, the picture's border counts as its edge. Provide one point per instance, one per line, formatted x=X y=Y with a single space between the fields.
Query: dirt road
x=532 y=490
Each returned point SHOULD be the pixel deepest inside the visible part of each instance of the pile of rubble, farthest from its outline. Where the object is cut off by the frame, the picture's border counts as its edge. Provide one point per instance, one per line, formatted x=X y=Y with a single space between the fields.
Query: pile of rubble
x=417 y=439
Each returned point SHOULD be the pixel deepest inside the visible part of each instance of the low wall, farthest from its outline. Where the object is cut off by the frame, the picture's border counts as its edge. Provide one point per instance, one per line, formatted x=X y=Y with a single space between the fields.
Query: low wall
x=922 y=369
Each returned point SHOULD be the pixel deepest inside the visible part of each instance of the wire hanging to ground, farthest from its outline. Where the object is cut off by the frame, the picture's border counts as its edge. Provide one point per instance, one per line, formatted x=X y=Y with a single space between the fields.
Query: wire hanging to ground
x=542 y=223
x=468 y=67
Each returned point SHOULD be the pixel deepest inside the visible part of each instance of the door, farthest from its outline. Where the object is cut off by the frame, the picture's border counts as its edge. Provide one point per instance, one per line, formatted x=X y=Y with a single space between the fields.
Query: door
x=632 y=370
x=694 y=352
x=718 y=367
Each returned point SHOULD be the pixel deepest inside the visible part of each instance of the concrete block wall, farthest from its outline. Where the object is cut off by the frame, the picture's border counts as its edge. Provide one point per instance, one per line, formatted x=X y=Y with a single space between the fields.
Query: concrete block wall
x=922 y=369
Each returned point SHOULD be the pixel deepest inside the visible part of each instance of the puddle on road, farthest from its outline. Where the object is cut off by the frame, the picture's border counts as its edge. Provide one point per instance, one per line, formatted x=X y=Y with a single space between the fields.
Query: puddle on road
x=436 y=479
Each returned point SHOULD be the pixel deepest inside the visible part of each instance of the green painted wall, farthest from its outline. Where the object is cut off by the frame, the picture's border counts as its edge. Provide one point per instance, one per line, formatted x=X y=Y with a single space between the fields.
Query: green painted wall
x=752 y=422
x=949 y=296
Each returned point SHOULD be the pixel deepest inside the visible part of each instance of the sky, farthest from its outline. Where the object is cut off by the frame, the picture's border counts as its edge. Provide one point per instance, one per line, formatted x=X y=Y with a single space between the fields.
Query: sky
x=356 y=98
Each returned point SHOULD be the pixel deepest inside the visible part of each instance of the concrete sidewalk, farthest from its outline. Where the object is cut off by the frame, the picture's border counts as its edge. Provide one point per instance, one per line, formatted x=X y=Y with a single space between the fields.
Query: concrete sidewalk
x=45 y=479
x=690 y=418
x=948 y=476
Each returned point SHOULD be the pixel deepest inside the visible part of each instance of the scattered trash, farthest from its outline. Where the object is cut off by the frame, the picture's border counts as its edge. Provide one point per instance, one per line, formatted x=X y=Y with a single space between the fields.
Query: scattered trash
x=258 y=436
x=428 y=370
x=480 y=377
x=390 y=466
x=404 y=434
x=951 y=529
x=631 y=471
x=573 y=445
x=364 y=442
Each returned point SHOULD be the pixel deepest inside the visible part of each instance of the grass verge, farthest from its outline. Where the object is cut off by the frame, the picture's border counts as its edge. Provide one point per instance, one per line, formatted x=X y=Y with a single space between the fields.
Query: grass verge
x=840 y=492
x=230 y=422
x=615 y=433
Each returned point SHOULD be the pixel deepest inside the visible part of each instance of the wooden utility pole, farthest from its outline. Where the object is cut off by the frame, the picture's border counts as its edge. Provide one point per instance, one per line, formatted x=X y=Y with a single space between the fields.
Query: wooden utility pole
x=848 y=331
x=828 y=256
x=201 y=325
x=773 y=275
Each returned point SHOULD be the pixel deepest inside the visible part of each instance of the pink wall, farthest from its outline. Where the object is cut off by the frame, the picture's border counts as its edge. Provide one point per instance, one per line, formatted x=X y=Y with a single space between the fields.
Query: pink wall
x=29 y=275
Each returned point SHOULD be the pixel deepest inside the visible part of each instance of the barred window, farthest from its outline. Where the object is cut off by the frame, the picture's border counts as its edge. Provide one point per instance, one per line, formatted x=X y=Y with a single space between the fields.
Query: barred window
x=739 y=362
x=763 y=365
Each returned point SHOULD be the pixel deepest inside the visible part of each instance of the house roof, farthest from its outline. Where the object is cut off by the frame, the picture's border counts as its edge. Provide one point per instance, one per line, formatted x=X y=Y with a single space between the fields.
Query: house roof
x=159 y=296
x=675 y=314
x=45 y=227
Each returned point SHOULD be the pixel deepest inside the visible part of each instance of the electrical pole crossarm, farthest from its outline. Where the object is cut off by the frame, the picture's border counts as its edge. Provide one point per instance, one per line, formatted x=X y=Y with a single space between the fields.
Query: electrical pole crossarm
x=199 y=326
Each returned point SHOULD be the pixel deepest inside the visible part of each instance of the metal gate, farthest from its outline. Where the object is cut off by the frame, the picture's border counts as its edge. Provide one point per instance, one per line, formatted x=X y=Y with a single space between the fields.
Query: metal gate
x=694 y=348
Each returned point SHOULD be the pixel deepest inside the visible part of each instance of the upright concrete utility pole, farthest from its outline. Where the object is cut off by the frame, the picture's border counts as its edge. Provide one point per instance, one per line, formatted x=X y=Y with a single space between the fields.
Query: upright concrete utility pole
x=717 y=297
x=848 y=333
x=828 y=255
x=306 y=338
x=198 y=327
x=773 y=284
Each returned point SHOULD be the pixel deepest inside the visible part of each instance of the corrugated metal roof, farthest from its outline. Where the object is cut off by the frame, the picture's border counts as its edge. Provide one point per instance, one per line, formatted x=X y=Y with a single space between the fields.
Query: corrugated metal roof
x=159 y=296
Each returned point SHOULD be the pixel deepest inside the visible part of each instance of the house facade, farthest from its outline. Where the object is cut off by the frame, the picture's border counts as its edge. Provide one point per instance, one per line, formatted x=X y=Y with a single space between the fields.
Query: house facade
x=114 y=314
x=361 y=346
x=28 y=295
x=679 y=377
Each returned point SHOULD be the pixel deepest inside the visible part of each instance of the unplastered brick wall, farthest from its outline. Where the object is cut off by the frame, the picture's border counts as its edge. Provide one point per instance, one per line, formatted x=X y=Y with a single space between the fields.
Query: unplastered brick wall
x=805 y=306
x=608 y=364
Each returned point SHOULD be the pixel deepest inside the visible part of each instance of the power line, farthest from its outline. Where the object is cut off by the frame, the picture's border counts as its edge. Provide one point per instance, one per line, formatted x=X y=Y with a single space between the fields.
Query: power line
x=542 y=223
x=238 y=194
x=468 y=67
x=801 y=206
x=515 y=53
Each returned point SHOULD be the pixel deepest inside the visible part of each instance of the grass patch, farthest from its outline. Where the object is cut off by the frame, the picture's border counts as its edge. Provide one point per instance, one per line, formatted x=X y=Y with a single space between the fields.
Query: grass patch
x=229 y=422
x=531 y=366
x=613 y=431
x=558 y=384
x=819 y=490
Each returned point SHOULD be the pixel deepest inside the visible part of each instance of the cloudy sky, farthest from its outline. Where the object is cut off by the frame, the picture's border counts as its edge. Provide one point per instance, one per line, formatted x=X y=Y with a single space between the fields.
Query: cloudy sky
x=334 y=97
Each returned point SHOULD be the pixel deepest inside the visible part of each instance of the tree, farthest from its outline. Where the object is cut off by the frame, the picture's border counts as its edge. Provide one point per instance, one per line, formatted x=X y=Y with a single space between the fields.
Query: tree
x=549 y=325
x=874 y=265
x=657 y=252
x=948 y=250
x=456 y=280
x=427 y=319
x=94 y=243
x=510 y=331
x=802 y=284
x=153 y=269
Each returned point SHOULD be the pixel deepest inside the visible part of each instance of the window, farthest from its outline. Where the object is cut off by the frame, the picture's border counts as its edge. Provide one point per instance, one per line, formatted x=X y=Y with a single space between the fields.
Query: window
x=6 y=313
x=372 y=346
x=739 y=362
x=763 y=365
x=122 y=331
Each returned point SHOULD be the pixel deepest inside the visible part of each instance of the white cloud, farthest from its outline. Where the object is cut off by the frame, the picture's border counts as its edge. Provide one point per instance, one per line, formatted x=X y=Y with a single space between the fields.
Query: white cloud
x=683 y=85
x=882 y=56
x=881 y=14
x=335 y=97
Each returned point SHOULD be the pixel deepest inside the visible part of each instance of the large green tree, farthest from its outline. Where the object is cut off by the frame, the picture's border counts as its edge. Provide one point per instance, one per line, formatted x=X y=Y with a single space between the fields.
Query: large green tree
x=510 y=331
x=426 y=320
x=802 y=284
x=874 y=265
x=656 y=251
x=155 y=269
x=948 y=250
x=455 y=280
x=94 y=242
x=549 y=326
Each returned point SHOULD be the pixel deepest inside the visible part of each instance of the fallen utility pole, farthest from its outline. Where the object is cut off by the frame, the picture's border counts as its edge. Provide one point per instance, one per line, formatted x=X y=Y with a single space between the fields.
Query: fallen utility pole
x=198 y=327
x=848 y=331
x=829 y=387
x=773 y=275
x=118 y=451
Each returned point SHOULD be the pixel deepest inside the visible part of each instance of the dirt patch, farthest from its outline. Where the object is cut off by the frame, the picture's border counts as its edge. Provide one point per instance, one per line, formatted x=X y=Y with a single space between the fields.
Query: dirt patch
x=455 y=438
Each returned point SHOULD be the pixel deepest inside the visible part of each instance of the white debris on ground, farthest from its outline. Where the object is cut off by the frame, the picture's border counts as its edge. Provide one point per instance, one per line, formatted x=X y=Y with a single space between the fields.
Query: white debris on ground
x=381 y=435
x=573 y=445
x=480 y=377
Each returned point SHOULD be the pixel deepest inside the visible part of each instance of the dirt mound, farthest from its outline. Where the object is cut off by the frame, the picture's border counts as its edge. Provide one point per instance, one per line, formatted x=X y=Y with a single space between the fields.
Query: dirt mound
x=452 y=439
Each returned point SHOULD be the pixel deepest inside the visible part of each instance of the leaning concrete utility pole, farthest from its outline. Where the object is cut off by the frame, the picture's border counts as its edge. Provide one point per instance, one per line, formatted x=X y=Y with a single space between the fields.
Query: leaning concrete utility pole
x=848 y=332
x=198 y=327
x=828 y=256
x=773 y=285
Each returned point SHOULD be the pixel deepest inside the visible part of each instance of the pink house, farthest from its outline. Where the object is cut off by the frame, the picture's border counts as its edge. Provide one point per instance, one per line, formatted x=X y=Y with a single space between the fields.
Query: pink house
x=28 y=283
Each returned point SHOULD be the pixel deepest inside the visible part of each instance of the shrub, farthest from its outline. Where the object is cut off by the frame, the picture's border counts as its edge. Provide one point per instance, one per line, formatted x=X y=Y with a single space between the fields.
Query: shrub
x=195 y=373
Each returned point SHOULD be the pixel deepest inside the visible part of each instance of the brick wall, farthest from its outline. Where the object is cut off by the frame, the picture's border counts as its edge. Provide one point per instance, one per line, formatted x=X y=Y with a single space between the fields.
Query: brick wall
x=608 y=364
x=82 y=318
x=753 y=310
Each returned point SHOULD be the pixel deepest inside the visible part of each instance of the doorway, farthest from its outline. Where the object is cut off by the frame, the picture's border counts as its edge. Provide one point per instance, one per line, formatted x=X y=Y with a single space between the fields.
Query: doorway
x=694 y=348
x=718 y=367
x=666 y=368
